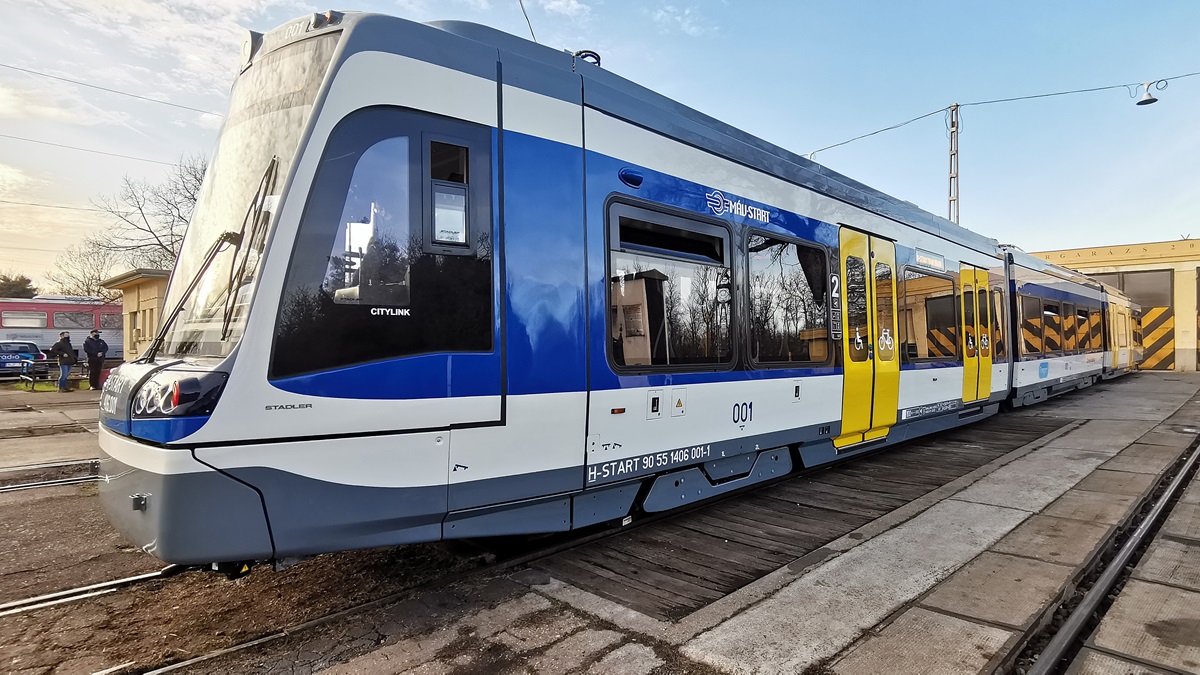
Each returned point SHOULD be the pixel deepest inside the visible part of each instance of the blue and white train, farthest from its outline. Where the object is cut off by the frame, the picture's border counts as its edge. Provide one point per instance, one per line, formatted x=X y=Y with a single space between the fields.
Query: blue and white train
x=444 y=282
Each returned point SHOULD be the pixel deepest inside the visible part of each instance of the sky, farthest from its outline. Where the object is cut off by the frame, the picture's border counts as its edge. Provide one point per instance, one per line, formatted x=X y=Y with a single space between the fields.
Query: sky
x=1086 y=169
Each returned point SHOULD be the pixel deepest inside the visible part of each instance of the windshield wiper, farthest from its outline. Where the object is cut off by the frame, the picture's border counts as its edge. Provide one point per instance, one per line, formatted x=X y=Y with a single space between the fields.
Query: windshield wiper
x=253 y=214
x=234 y=238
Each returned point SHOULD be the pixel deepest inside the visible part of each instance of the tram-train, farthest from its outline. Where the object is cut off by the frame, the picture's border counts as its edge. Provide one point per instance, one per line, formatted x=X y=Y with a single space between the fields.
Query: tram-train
x=443 y=282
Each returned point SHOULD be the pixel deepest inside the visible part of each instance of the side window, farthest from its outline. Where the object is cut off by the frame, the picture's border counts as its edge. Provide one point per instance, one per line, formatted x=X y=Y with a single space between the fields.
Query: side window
x=1068 y=327
x=930 y=318
x=1096 y=329
x=985 y=340
x=23 y=319
x=670 y=291
x=856 y=308
x=110 y=321
x=789 y=315
x=67 y=320
x=969 y=319
x=1082 y=331
x=383 y=267
x=884 y=295
x=1051 y=327
x=1031 y=325
x=1122 y=330
x=998 y=346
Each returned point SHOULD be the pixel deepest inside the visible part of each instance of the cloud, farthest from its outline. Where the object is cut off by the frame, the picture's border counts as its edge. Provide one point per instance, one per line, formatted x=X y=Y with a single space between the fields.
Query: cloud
x=687 y=20
x=52 y=102
x=570 y=8
x=14 y=182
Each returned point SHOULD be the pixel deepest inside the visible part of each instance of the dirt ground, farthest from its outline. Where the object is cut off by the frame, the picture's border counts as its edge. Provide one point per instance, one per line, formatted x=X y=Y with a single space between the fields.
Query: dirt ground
x=59 y=539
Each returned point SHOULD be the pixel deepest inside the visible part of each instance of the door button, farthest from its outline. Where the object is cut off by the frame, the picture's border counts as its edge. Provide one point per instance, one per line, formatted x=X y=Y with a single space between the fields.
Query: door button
x=654 y=404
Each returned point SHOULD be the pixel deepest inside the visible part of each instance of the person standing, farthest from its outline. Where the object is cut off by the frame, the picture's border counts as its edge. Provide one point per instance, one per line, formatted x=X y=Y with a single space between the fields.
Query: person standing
x=96 y=349
x=65 y=354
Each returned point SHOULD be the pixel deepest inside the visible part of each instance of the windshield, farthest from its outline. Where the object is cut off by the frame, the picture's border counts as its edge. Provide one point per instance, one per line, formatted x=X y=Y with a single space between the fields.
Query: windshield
x=269 y=108
x=18 y=347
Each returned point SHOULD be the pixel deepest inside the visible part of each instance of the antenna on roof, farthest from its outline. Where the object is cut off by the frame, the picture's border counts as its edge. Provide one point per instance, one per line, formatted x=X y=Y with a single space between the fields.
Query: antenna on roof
x=527 y=22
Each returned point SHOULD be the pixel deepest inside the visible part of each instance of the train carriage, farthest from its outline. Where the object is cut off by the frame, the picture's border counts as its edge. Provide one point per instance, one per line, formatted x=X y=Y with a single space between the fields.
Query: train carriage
x=443 y=282
x=40 y=319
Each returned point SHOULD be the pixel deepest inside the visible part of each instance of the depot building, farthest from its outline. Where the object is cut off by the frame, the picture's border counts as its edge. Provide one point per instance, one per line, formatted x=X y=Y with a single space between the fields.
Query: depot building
x=1163 y=278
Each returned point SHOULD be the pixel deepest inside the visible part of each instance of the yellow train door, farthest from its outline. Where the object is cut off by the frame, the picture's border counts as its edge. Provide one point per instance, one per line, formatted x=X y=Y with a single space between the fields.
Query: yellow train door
x=871 y=364
x=977 y=346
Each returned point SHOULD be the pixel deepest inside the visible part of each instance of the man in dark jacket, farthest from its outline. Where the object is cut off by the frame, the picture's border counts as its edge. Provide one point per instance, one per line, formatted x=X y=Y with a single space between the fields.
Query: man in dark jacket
x=96 y=349
x=65 y=353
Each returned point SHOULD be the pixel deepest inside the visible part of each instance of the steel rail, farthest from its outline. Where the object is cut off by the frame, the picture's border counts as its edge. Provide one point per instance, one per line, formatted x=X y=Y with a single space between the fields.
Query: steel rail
x=95 y=462
x=83 y=592
x=1049 y=660
x=50 y=483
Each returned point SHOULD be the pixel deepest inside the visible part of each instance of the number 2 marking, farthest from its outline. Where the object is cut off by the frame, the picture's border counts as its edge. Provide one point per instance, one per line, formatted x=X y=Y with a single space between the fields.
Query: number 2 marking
x=834 y=285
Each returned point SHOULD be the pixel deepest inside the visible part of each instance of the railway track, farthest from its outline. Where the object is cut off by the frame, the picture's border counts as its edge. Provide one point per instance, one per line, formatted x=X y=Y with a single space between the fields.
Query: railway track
x=84 y=592
x=48 y=474
x=501 y=557
x=1054 y=648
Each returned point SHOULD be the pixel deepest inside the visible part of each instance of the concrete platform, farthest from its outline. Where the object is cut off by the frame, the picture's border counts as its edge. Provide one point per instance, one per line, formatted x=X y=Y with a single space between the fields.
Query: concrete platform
x=81 y=445
x=944 y=583
x=1154 y=624
x=1092 y=662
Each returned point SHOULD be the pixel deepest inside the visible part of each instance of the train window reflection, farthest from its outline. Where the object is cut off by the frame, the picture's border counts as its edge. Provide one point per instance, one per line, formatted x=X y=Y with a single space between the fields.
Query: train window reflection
x=985 y=342
x=929 y=330
x=670 y=292
x=1051 y=327
x=1068 y=327
x=858 y=334
x=884 y=298
x=997 y=324
x=362 y=273
x=1031 y=325
x=63 y=320
x=789 y=317
x=669 y=312
x=372 y=251
x=1084 y=331
x=23 y=319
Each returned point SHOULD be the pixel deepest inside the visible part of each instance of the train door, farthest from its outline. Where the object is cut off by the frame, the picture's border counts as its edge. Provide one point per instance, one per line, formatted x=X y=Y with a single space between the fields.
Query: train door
x=871 y=390
x=977 y=344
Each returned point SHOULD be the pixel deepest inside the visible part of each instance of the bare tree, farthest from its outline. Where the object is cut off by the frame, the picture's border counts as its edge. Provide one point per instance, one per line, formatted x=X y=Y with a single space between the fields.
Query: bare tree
x=149 y=219
x=79 y=269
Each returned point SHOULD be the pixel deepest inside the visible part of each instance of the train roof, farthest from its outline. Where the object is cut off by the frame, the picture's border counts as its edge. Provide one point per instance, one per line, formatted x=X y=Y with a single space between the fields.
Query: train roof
x=614 y=95
x=60 y=300
x=1023 y=259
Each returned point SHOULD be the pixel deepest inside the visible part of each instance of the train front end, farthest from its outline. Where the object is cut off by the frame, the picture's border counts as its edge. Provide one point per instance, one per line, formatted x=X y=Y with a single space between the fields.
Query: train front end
x=161 y=488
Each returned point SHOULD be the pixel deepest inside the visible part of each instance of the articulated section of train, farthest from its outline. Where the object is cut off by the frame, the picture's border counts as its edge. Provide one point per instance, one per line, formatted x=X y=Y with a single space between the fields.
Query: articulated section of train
x=443 y=282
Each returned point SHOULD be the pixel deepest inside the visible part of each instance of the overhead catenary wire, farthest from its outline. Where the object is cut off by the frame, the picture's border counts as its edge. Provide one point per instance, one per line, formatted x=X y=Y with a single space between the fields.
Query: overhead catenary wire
x=75 y=147
x=1126 y=86
x=51 y=206
x=111 y=91
x=527 y=21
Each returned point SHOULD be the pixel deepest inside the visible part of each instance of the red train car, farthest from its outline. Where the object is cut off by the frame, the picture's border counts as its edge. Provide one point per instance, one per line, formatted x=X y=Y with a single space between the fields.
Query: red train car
x=41 y=318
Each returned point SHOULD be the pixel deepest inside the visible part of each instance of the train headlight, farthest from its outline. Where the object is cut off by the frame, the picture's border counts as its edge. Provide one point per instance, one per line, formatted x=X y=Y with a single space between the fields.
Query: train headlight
x=173 y=394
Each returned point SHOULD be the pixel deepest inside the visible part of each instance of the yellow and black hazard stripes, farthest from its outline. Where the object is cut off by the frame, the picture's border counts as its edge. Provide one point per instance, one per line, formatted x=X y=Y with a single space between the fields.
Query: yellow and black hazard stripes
x=943 y=342
x=1158 y=338
x=1095 y=330
x=1031 y=333
x=1051 y=336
